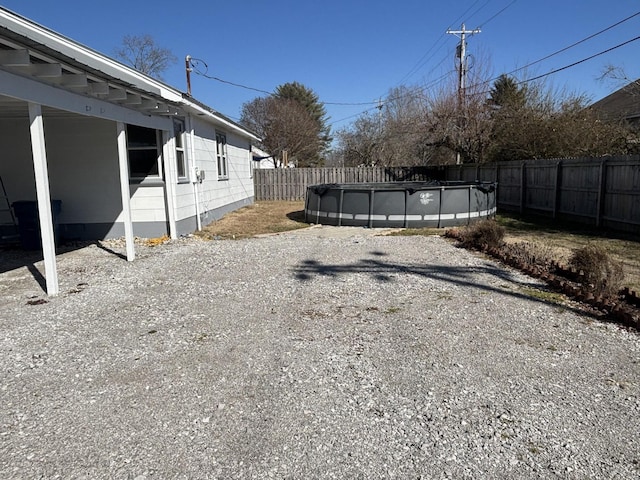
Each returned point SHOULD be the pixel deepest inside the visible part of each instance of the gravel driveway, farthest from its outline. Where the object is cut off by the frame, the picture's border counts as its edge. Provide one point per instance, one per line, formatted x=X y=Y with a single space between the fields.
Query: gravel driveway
x=322 y=353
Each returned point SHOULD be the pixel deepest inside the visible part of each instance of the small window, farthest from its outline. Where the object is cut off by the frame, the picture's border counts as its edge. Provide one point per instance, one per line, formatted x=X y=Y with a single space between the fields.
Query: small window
x=181 y=159
x=221 y=151
x=144 y=157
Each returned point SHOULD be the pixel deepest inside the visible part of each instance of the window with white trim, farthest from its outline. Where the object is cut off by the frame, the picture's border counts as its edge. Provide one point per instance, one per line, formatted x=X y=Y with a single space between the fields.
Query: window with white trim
x=144 y=154
x=181 y=159
x=221 y=153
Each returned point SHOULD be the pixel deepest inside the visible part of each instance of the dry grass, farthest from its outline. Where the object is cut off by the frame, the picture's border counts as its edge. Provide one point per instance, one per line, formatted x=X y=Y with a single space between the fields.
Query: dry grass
x=563 y=239
x=257 y=219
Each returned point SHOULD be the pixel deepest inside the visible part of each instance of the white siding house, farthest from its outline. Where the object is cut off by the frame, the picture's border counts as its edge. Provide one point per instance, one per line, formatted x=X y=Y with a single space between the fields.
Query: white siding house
x=124 y=153
x=262 y=159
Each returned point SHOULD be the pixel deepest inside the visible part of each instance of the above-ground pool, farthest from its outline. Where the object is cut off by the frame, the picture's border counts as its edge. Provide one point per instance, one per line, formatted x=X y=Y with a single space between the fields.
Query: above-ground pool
x=400 y=204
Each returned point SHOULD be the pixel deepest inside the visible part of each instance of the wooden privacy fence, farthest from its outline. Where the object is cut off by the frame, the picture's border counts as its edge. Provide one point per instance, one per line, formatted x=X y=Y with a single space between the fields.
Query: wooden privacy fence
x=600 y=191
x=291 y=183
x=604 y=192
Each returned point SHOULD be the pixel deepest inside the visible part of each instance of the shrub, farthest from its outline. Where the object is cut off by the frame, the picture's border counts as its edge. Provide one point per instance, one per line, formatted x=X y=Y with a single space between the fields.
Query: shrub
x=601 y=274
x=531 y=253
x=482 y=235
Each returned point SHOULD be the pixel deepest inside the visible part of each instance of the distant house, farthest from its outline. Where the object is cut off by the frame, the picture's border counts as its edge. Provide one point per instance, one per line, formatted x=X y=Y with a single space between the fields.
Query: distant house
x=622 y=104
x=124 y=153
x=263 y=159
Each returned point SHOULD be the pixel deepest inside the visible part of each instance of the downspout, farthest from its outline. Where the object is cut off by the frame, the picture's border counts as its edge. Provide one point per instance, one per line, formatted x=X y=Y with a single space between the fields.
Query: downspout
x=194 y=178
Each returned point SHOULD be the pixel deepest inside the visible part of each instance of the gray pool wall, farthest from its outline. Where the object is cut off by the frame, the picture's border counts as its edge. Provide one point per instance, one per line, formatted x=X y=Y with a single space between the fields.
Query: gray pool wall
x=402 y=204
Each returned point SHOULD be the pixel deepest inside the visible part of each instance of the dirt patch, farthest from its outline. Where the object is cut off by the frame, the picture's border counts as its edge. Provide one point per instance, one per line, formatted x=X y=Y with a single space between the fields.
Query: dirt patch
x=256 y=219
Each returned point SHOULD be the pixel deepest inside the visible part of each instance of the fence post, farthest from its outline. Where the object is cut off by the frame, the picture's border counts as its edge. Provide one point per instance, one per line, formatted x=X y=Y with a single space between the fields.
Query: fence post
x=496 y=182
x=469 y=198
x=557 y=189
x=371 y=199
x=523 y=186
x=601 y=191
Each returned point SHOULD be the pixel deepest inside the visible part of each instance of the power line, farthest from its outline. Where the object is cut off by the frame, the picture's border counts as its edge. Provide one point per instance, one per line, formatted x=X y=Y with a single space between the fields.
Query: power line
x=479 y=8
x=527 y=80
x=418 y=90
x=195 y=62
x=412 y=93
x=576 y=43
x=424 y=59
x=561 y=51
x=494 y=16
x=579 y=61
x=353 y=116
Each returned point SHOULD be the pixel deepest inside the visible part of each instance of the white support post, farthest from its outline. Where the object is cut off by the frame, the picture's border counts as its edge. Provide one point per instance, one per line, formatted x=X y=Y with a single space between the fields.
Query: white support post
x=124 y=191
x=171 y=179
x=41 y=171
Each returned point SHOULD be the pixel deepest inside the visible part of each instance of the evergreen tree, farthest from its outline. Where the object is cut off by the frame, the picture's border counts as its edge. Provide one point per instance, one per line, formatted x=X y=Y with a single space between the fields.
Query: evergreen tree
x=506 y=93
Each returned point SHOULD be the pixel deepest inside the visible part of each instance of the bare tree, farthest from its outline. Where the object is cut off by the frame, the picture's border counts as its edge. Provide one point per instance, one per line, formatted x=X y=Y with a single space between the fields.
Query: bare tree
x=618 y=76
x=403 y=126
x=390 y=137
x=362 y=143
x=459 y=126
x=142 y=53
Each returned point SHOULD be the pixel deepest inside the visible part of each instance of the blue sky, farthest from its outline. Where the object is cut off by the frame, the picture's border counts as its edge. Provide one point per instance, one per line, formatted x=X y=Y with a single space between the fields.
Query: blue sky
x=354 y=51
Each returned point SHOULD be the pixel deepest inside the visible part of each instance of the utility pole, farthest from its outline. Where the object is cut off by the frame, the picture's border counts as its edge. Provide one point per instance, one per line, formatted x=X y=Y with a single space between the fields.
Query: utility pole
x=462 y=66
x=187 y=66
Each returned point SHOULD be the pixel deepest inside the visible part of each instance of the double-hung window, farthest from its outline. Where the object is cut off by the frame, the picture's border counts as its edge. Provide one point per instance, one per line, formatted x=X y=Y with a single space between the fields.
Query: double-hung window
x=221 y=153
x=144 y=154
x=181 y=159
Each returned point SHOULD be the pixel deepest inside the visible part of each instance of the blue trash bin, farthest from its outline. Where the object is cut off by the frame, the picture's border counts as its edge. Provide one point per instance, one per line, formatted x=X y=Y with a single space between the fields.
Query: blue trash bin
x=26 y=212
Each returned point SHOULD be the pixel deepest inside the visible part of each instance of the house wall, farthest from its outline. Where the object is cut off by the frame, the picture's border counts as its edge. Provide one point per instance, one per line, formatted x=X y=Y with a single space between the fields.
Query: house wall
x=219 y=196
x=83 y=172
x=16 y=166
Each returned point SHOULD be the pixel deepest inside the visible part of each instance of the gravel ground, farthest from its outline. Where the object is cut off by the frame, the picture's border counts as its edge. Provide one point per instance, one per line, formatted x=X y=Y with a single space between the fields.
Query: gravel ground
x=322 y=353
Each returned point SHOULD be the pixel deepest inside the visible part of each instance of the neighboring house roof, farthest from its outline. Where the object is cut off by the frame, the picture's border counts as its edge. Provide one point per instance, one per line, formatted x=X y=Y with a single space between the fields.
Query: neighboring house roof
x=28 y=48
x=623 y=103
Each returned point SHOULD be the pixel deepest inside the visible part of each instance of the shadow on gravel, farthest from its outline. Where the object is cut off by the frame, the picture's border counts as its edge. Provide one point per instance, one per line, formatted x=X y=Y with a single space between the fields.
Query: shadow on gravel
x=382 y=271
x=112 y=252
x=13 y=257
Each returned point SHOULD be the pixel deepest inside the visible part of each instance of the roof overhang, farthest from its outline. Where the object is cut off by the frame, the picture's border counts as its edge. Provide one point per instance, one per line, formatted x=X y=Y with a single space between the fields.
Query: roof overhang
x=38 y=53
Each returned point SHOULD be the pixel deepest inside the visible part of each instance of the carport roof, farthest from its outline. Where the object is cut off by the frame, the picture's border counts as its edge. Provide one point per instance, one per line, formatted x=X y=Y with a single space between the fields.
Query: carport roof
x=30 y=49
